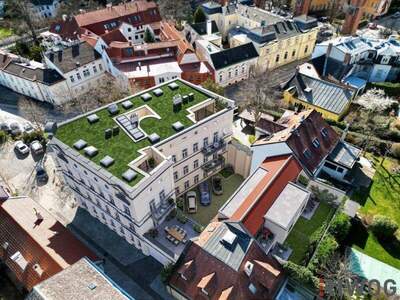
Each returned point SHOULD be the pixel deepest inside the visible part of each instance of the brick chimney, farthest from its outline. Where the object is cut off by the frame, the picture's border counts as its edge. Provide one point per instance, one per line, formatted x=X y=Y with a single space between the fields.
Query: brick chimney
x=354 y=10
x=302 y=7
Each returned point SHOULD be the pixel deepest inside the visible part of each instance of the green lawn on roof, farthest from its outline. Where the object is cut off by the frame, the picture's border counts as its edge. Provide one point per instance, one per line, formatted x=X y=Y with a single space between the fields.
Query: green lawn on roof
x=121 y=147
x=299 y=238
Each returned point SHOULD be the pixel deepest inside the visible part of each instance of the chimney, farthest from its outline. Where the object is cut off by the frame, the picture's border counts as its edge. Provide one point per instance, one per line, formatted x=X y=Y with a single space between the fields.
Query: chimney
x=64 y=17
x=209 y=27
x=109 y=5
x=327 y=54
x=38 y=215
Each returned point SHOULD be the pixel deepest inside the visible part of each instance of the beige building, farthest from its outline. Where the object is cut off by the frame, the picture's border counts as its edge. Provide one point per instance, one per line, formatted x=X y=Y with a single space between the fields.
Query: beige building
x=270 y=34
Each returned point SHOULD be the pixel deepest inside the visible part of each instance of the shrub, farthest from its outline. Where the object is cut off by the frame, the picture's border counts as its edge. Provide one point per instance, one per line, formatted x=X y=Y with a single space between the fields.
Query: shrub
x=199 y=15
x=182 y=218
x=340 y=226
x=152 y=162
x=383 y=227
x=396 y=150
x=324 y=252
x=391 y=89
x=323 y=195
x=301 y=274
x=179 y=203
x=153 y=232
x=303 y=180
x=166 y=272
x=198 y=228
x=3 y=137
x=35 y=135
x=252 y=139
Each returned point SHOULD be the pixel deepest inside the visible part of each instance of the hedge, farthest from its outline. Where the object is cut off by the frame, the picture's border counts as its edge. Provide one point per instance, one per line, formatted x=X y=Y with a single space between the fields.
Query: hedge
x=391 y=89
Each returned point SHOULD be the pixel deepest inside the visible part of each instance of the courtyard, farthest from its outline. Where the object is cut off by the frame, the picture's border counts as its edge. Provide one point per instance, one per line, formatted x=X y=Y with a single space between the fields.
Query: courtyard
x=299 y=238
x=204 y=214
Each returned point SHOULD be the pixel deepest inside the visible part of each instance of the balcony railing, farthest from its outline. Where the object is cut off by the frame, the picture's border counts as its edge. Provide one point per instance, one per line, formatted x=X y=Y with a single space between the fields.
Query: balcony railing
x=213 y=164
x=211 y=149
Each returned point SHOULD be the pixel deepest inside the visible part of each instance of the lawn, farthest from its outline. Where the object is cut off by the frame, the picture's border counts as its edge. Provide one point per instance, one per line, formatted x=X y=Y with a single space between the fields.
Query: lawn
x=298 y=239
x=121 y=147
x=5 y=32
x=206 y=213
x=382 y=197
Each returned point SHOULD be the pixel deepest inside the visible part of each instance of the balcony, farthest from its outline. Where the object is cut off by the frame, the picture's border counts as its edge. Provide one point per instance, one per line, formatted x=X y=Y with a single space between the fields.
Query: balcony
x=213 y=164
x=211 y=149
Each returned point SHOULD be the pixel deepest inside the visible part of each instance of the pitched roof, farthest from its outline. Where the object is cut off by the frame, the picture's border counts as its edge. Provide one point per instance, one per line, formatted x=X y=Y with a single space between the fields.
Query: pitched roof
x=56 y=240
x=201 y=28
x=226 y=282
x=74 y=56
x=113 y=36
x=302 y=129
x=259 y=191
x=33 y=73
x=235 y=55
x=320 y=93
x=65 y=286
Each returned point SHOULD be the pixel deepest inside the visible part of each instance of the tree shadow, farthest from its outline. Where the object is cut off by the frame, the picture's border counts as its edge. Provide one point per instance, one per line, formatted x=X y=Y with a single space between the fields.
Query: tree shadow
x=362 y=194
x=392 y=246
x=358 y=235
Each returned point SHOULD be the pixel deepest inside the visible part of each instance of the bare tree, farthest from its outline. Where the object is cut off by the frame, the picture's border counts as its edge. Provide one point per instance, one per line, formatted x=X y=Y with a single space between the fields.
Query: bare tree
x=257 y=94
x=106 y=92
x=72 y=7
x=33 y=112
x=175 y=9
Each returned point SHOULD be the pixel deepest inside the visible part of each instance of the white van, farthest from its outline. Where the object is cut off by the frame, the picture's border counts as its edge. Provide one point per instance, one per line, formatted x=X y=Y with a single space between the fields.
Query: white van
x=191 y=202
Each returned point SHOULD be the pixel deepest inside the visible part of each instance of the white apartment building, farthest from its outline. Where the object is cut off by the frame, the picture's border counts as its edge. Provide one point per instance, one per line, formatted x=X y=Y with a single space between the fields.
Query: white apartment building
x=359 y=59
x=44 y=9
x=127 y=168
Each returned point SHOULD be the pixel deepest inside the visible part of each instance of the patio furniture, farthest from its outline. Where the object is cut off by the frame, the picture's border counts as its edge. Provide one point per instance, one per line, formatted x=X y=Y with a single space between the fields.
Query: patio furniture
x=176 y=234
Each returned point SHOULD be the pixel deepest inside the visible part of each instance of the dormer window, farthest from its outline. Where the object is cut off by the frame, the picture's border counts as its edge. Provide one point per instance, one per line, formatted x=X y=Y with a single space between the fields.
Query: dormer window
x=307 y=153
x=252 y=288
x=316 y=143
x=324 y=132
x=204 y=291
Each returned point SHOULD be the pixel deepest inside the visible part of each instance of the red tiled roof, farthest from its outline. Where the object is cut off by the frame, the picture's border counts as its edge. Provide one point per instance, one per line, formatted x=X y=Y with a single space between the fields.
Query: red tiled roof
x=227 y=283
x=113 y=36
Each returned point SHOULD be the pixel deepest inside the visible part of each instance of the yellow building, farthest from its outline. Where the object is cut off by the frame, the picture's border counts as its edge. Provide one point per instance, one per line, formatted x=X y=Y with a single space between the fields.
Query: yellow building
x=330 y=99
x=278 y=41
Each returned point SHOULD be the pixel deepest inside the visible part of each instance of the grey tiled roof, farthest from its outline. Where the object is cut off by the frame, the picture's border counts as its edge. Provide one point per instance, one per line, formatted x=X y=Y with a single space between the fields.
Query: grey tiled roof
x=321 y=93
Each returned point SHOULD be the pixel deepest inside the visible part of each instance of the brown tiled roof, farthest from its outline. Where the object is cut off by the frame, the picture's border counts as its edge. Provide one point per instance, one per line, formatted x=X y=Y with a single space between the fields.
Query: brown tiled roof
x=113 y=36
x=302 y=129
x=269 y=126
x=226 y=282
x=68 y=29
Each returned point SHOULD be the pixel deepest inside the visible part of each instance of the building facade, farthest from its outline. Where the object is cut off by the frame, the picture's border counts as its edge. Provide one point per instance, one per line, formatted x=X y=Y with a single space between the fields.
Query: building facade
x=137 y=200
x=44 y=9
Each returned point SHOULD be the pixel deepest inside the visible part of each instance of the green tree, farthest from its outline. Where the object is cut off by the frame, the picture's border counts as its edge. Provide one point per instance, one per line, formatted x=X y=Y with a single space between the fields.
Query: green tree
x=301 y=274
x=199 y=15
x=148 y=36
x=383 y=226
x=210 y=85
x=340 y=226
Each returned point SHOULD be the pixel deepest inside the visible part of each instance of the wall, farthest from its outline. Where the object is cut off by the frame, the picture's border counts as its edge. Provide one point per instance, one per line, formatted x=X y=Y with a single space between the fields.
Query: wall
x=234 y=73
x=239 y=156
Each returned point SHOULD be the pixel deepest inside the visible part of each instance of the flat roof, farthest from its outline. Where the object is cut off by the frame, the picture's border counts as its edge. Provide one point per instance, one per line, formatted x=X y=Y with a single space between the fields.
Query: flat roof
x=286 y=206
x=345 y=154
x=116 y=146
x=82 y=280
x=56 y=240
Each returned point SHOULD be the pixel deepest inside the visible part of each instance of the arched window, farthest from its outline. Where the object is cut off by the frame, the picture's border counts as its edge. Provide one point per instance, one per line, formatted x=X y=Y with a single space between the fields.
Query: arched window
x=277 y=58
x=286 y=55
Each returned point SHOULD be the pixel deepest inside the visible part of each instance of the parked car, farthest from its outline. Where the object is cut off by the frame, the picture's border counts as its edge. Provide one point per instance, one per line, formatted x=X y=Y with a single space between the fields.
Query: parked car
x=41 y=174
x=191 y=202
x=5 y=127
x=28 y=128
x=373 y=26
x=396 y=15
x=21 y=148
x=323 y=19
x=217 y=185
x=36 y=148
x=205 y=197
x=15 y=129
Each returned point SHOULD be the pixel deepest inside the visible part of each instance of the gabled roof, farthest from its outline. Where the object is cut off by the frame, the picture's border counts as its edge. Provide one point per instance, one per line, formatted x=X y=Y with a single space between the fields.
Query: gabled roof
x=302 y=129
x=321 y=93
x=235 y=55
x=44 y=75
x=113 y=36
x=220 y=280
x=74 y=56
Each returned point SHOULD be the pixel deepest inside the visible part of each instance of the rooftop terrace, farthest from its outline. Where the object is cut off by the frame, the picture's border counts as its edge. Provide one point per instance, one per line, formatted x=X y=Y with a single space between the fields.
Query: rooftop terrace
x=155 y=115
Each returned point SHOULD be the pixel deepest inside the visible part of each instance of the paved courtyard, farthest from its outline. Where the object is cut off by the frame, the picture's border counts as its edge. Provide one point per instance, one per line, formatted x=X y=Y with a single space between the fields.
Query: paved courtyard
x=205 y=214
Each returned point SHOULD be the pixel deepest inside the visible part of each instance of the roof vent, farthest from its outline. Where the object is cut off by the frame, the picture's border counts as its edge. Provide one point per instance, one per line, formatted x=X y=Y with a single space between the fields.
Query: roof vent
x=308 y=90
x=92 y=286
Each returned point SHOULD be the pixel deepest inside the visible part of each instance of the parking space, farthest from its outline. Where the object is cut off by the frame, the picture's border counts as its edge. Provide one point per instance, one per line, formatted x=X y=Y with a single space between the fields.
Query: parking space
x=205 y=214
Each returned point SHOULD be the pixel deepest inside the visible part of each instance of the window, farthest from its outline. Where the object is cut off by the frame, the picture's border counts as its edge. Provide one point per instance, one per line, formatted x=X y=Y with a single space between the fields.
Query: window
x=121 y=229
x=176 y=175
x=277 y=58
x=196 y=179
x=94 y=69
x=152 y=205
x=307 y=153
x=294 y=53
x=185 y=170
x=286 y=55
x=340 y=170
x=205 y=159
x=100 y=67
x=72 y=78
x=316 y=143
x=117 y=217
x=103 y=216
x=205 y=142
x=86 y=73
x=127 y=210
x=78 y=75
x=195 y=147
x=136 y=37
x=220 y=77
x=184 y=153
x=112 y=223
x=196 y=164
x=330 y=166
x=129 y=29
x=306 y=50
x=177 y=190
x=215 y=137
x=162 y=195
x=324 y=132
x=252 y=288
x=174 y=158
x=186 y=184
